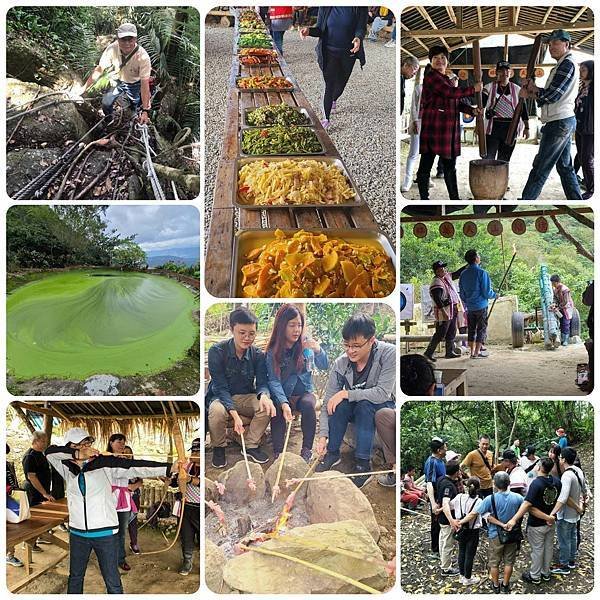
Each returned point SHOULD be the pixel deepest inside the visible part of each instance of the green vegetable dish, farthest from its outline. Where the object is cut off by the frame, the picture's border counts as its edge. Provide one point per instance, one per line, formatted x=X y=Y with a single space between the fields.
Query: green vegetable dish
x=279 y=114
x=280 y=140
x=254 y=40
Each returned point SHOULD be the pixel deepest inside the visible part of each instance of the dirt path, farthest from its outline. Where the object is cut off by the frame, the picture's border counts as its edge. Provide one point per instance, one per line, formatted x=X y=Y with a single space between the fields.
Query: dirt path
x=154 y=574
x=520 y=166
x=527 y=371
x=420 y=574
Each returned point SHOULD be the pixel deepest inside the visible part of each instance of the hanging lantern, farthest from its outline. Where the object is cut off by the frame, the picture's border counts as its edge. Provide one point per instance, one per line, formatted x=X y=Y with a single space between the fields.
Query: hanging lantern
x=492 y=73
x=518 y=226
x=494 y=227
x=447 y=229
x=463 y=74
x=541 y=224
x=420 y=230
x=523 y=73
x=539 y=72
x=470 y=229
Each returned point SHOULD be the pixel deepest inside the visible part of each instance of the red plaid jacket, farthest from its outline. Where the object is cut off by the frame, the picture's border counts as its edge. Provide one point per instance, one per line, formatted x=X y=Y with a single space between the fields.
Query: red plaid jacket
x=441 y=104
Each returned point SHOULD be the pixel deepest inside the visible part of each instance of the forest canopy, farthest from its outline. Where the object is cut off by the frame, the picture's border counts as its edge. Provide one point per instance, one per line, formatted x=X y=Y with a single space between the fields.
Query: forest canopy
x=461 y=424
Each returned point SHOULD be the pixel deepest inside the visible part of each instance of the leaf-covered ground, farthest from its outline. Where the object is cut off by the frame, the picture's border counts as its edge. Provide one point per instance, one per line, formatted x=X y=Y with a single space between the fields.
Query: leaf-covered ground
x=420 y=574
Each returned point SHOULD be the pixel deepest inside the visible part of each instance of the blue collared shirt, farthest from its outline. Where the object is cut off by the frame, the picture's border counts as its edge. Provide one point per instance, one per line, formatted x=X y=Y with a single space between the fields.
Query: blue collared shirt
x=475 y=288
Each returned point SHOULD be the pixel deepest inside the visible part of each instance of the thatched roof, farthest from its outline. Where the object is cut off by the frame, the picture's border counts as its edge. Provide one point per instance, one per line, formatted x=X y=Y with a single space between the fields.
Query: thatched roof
x=101 y=418
x=456 y=27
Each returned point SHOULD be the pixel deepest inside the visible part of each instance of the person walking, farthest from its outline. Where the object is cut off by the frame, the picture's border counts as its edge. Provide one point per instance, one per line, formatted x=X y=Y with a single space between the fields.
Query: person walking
x=280 y=20
x=341 y=31
x=557 y=102
x=475 y=291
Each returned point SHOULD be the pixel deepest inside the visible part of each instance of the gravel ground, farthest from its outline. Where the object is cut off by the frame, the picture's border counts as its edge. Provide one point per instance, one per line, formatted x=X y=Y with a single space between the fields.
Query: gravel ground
x=363 y=128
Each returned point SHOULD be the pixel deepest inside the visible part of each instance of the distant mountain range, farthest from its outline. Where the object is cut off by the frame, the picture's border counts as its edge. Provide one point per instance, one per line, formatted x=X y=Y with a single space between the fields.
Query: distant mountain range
x=185 y=256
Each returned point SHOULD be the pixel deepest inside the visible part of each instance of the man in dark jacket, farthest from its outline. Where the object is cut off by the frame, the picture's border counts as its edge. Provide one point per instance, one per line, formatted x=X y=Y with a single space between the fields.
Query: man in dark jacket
x=238 y=389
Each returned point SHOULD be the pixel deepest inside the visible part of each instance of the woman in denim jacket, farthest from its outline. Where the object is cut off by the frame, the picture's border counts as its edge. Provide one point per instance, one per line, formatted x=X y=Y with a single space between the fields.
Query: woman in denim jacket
x=290 y=377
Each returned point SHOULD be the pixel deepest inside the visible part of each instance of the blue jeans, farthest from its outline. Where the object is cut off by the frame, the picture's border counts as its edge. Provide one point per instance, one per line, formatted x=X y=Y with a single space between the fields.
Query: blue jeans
x=555 y=149
x=567 y=541
x=131 y=90
x=362 y=413
x=106 y=549
x=278 y=39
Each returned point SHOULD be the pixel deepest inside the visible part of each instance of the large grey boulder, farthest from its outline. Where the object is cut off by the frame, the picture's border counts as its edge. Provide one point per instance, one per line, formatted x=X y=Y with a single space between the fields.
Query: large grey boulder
x=214 y=563
x=294 y=466
x=331 y=500
x=254 y=573
x=235 y=481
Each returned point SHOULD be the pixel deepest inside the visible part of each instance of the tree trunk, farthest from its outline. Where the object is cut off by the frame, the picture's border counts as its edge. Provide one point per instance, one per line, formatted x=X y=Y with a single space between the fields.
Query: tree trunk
x=24 y=418
x=495 y=433
x=512 y=431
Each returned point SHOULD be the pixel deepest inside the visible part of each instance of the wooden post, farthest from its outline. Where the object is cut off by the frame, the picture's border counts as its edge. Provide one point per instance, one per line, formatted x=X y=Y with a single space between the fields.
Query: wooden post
x=478 y=99
x=48 y=424
x=505 y=47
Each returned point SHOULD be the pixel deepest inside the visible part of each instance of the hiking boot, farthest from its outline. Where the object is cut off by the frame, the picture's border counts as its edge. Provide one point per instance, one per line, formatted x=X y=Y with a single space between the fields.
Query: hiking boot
x=504 y=589
x=529 y=579
x=452 y=572
x=560 y=570
x=306 y=454
x=13 y=561
x=257 y=455
x=361 y=481
x=331 y=460
x=219 y=460
x=186 y=566
x=387 y=480
x=495 y=588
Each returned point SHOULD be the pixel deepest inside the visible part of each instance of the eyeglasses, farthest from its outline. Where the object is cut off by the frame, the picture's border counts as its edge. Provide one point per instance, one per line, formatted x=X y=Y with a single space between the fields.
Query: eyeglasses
x=248 y=336
x=355 y=346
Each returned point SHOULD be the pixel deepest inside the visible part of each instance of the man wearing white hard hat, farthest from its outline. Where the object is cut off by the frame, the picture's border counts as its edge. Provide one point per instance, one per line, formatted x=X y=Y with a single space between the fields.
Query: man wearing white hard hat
x=129 y=69
x=93 y=519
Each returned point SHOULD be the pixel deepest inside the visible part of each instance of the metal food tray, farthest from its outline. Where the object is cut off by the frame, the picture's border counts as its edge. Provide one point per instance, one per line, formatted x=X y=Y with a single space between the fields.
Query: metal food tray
x=272 y=62
x=295 y=154
x=270 y=41
x=240 y=162
x=248 y=239
x=265 y=90
x=246 y=125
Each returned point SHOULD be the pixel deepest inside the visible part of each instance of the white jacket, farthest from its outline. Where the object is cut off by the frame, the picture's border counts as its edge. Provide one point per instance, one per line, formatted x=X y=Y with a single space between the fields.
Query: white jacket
x=94 y=508
x=565 y=107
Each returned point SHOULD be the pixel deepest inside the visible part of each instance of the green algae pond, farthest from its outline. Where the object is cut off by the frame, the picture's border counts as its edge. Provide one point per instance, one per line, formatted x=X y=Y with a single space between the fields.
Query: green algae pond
x=75 y=324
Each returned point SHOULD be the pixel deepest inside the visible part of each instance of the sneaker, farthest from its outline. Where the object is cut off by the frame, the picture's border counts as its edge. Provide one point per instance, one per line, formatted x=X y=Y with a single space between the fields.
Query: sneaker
x=219 y=460
x=135 y=548
x=331 y=460
x=387 y=480
x=529 y=579
x=546 y=577
x=405 y=188
x=36 y=548
x=325 y=123
x=186 y=567
x=450 y=572
x=472 y=580
x=453 y=355
x=560 y=570
x=504 y=589
x=478 y=356
x=276 y=455
x=125 y=566
x=484 y=353
x=361 y=481
x=495 y=588
x=306 y=454
x=462 y=580
x=390 y=44
x=433 y=555
x=13 y=561
x=42 y=541
x=572 y=564
x=431 y=358
x=63 y=527
x=257 y=455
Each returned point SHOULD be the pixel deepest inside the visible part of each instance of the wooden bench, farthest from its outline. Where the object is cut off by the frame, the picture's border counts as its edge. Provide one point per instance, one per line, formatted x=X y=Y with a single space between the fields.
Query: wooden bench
x=219 y=252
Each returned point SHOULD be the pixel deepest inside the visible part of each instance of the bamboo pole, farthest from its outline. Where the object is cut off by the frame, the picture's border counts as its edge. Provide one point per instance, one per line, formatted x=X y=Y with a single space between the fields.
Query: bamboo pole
x=314 y=567
x=414 y=512
x=336 y=476
x=285 y=444
x=250 y=482
x=495 y=432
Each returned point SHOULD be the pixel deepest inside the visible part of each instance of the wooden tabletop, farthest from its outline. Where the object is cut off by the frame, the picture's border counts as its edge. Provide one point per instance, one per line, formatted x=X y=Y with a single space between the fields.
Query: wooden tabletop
x=44 y=517
x=219 y=254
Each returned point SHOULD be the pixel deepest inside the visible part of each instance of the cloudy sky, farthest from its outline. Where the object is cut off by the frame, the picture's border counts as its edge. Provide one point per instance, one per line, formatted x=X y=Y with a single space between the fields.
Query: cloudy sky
x=157 y=226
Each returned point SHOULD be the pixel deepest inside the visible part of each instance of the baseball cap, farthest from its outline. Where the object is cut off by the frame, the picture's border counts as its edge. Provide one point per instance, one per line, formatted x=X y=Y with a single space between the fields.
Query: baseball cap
x=438 y=264
x=451 y=455
x=76 y=435
x=529 y=450
x=560 y=34
x=502 y=64
x=127 y=30
x=195 y=445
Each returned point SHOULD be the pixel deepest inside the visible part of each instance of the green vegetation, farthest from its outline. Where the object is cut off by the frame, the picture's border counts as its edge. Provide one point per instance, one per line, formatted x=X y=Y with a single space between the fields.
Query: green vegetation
x=181 y=269
x=171 y=36
x=533 y=249
x=461 y=424
x=43 y=237
x=128 y=256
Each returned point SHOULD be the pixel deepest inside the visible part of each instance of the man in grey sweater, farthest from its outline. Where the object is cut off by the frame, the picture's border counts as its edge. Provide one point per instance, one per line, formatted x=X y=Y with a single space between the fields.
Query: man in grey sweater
x=361 y=382
x=573 y=487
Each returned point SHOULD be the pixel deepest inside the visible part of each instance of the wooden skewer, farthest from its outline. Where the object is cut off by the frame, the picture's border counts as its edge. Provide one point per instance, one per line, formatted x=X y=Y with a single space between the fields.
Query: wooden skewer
x=340 y=475
x=250 y=478
x=285 y=444
x=319 y=568
x=414 y=512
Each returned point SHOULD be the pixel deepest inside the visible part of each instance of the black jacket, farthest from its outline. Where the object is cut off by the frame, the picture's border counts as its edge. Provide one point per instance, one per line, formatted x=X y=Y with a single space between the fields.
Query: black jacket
x=361 y=14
